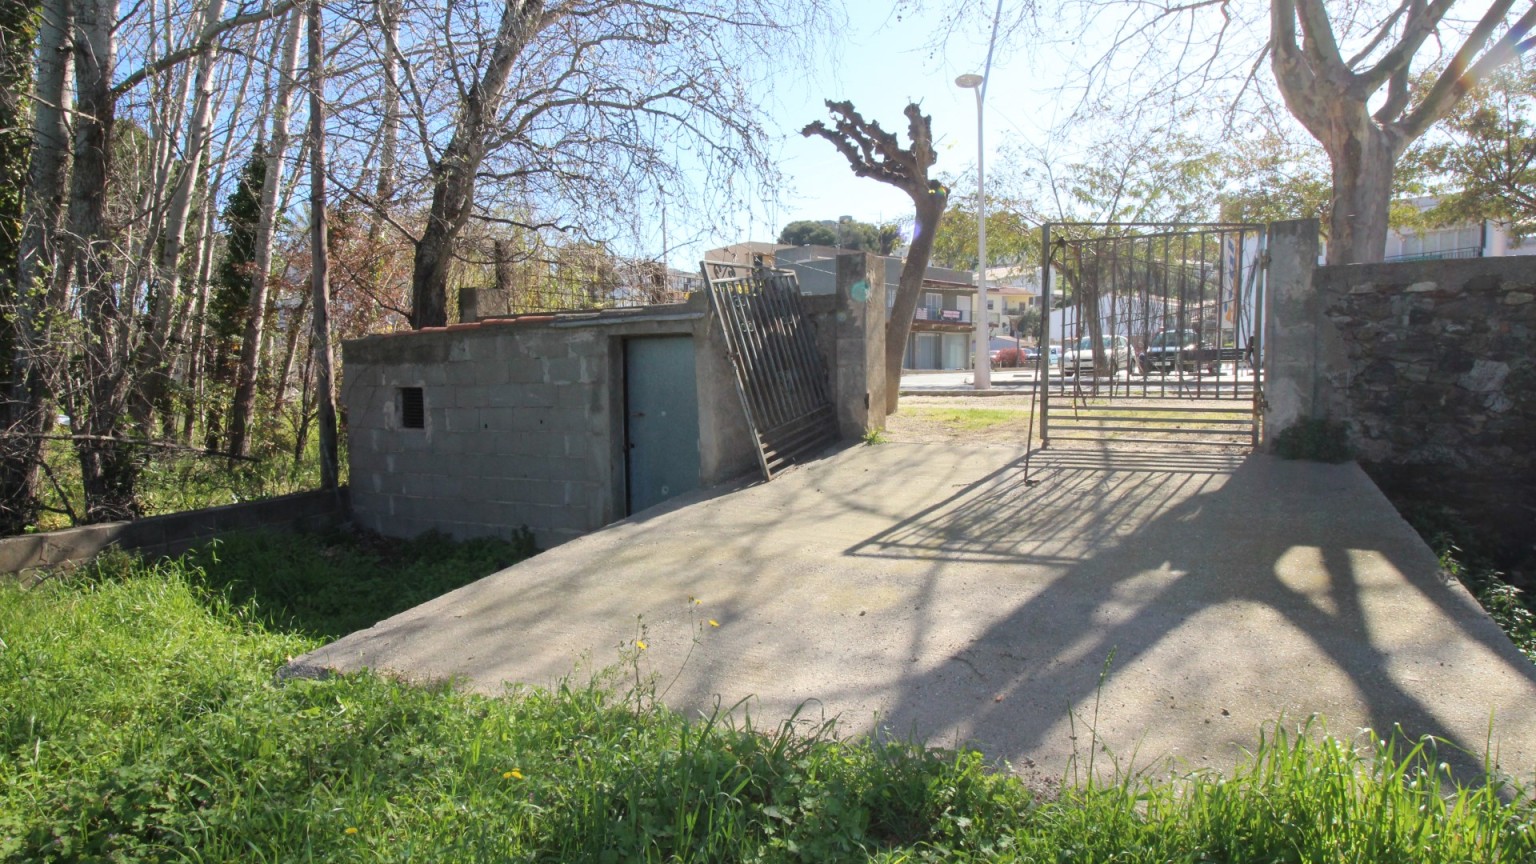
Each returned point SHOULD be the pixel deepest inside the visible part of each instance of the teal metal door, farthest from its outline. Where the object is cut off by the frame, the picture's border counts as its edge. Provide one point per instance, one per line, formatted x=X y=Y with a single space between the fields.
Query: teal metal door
x=661 y=419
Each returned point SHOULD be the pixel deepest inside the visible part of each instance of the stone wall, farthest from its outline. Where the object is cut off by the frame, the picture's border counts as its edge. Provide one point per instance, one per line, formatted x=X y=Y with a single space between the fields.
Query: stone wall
x=172 y=533
x=1437 y=381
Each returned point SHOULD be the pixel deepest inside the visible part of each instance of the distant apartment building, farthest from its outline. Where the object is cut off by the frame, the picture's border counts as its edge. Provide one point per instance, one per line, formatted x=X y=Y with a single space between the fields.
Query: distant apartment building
x=1011 y=290
x=1486 y=239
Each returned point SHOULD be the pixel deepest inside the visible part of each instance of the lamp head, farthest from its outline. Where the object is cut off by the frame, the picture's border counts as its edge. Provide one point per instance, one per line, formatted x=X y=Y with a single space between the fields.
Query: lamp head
x=969 y=80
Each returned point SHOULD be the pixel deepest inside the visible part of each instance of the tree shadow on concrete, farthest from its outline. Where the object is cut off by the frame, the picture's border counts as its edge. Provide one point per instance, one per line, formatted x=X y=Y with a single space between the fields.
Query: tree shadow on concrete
x=1214 y=565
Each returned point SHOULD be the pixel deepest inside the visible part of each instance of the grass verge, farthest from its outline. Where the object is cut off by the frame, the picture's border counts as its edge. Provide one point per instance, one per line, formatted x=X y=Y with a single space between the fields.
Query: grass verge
x=1457 y=544
x=968 y=419
x=141 y=720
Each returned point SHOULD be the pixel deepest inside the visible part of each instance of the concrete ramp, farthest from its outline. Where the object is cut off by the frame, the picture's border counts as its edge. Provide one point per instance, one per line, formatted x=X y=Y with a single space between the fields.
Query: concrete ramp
x=1187 y=601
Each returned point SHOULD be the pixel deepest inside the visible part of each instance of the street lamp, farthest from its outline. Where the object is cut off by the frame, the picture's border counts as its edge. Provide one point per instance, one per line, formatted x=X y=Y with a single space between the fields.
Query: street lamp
x=972 y=81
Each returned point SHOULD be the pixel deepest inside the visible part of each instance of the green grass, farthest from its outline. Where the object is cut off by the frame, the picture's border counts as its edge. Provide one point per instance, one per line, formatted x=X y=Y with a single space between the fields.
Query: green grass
x=141 y=719
x=173 y=481
x=326 y=586
x=1457 y=544
x=967 y=419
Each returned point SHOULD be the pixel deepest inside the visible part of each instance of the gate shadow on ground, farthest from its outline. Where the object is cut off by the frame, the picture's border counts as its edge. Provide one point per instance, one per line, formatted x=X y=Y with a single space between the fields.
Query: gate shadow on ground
x=1142 y=545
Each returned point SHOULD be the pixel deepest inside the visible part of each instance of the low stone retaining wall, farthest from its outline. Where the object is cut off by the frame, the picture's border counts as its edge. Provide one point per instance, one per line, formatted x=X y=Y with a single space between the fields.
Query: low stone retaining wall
x=1437 y=383
x=172 y=533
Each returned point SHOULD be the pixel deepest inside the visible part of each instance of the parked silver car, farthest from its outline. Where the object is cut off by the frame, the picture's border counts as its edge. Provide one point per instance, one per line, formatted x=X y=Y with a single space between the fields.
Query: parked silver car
x=1117 y=353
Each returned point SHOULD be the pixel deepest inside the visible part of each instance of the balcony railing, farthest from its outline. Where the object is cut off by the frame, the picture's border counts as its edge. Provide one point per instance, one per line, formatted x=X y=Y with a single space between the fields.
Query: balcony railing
x=1461 y=252
x=947 y=316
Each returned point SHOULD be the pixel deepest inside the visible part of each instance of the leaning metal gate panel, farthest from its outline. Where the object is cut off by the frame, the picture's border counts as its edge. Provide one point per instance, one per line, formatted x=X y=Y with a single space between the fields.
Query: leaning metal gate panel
x=1158 y=329
x=780 y=376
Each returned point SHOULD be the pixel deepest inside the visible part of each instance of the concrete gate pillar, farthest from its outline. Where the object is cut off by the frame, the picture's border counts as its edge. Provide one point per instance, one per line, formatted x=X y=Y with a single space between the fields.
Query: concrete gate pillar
x=1300 y=343
x=858 y=356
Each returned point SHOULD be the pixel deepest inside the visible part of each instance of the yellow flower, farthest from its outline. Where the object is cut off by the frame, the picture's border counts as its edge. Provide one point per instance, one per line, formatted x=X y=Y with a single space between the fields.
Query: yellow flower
x=714 y=623
x=514 y=774
x=350 y=831
x=697 y=602
x=640 y=643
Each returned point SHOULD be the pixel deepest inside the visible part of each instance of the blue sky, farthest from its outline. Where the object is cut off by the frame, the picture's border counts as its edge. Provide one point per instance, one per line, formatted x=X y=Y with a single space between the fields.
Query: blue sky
x=881 y=64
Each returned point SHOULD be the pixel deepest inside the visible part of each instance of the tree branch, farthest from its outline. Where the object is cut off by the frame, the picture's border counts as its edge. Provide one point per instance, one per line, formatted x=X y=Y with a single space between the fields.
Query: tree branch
x=201 y=44
x=1461 y=74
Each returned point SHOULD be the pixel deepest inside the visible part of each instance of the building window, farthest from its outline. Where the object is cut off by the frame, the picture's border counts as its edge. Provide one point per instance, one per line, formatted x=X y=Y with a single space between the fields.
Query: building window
x=413 y=408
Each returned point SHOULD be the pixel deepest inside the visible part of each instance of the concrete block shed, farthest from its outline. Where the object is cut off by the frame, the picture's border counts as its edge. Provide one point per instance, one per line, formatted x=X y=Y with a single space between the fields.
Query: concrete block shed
x=566 y=422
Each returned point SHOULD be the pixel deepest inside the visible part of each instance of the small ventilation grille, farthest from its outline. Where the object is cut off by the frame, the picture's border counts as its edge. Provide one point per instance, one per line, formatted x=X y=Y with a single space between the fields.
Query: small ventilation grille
x=413 y=408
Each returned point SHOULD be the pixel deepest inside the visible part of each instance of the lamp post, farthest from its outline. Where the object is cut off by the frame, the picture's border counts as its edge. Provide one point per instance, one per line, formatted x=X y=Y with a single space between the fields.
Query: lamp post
x=983 y=377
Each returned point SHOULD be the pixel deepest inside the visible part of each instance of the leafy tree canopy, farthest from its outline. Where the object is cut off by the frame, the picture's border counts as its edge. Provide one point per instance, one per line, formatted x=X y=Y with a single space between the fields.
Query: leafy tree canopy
x=1013 y=236
x=1482 y=160
x=843 y=234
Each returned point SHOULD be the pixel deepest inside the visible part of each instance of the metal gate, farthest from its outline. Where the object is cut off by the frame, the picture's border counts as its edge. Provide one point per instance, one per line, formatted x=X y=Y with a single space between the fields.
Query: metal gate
x=1158 y=333
x=779 y=371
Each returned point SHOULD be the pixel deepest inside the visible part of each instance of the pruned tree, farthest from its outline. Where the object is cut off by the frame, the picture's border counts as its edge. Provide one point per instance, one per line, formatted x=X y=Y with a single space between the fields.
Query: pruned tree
x=875 y=153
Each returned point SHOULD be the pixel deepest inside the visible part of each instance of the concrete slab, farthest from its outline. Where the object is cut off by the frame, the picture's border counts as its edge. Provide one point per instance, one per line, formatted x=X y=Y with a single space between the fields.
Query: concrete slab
x=936 y=591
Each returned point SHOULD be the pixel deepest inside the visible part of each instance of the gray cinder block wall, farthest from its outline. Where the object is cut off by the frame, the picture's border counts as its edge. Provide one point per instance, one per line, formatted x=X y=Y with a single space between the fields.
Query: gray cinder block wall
x=523 y=417
x=850 y=331
x=523 y=422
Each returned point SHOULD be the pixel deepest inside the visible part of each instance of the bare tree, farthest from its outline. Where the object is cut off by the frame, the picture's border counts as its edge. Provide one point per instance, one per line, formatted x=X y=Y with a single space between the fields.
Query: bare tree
x=277 y=150
x=38 y=293
x=875 y=153
x=577 y=108
x=154 y=372
x=454 y=172
x=320 y=334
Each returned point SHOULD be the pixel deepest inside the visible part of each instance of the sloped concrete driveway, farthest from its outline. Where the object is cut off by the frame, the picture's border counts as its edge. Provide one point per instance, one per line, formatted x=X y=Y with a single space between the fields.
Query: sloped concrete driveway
x=935 y=591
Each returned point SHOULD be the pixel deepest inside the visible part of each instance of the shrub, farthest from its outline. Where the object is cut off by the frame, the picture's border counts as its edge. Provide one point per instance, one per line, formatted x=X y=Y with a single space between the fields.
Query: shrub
x=1315 y=439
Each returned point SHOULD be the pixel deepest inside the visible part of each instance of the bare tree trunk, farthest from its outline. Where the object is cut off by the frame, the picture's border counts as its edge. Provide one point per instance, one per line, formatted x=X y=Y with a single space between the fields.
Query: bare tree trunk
x=1363 y=158
x=389 y=97
x=107 y=466
x=250 y=345
x=908 y=291
x=198 y=323
x=453 y=175
x=1364 y=110
x=320 y=333
x=154 y=369
x=280 y=384
x=25 y=400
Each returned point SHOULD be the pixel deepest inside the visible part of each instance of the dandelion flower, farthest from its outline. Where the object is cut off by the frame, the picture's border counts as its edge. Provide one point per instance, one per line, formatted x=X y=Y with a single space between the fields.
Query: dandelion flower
x=714 y=623
x=514 y=774
x=640 y=643
x=350 y=831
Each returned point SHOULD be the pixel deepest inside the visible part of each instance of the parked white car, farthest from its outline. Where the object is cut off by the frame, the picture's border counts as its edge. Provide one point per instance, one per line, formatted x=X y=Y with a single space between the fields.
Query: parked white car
x=1117 y=353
